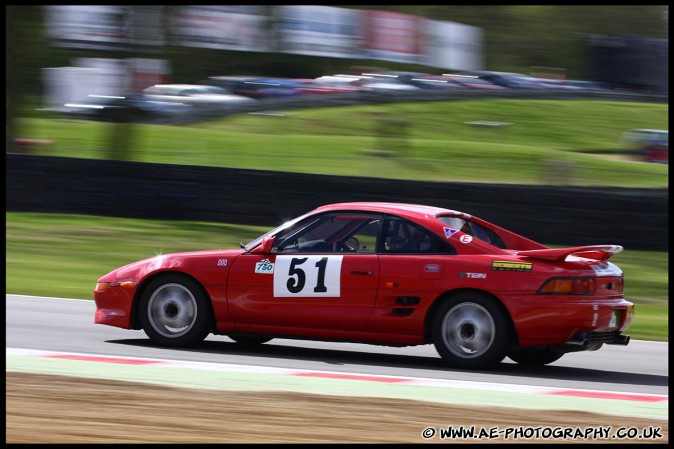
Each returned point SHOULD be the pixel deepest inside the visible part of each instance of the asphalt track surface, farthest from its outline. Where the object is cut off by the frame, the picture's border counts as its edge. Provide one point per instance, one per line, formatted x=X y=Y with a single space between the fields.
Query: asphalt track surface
x=67 y=325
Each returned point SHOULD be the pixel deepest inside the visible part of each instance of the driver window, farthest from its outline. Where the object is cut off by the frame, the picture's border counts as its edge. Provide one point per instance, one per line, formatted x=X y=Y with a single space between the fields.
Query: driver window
x=364 y=240
x=344 y=232
x=401 y=236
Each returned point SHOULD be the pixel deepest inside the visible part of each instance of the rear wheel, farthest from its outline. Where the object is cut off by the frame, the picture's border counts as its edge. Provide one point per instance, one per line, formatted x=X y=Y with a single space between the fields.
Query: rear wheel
x=535 y=356
x=471 y=331
x=174 y=311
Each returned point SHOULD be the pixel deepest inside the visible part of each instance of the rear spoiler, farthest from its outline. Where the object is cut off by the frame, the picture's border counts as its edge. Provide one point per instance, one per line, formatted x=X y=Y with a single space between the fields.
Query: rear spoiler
x=597 y=252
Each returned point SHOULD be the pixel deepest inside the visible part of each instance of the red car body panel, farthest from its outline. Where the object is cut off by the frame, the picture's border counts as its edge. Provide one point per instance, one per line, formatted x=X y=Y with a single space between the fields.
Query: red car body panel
x=385 y=298
x=252 y=300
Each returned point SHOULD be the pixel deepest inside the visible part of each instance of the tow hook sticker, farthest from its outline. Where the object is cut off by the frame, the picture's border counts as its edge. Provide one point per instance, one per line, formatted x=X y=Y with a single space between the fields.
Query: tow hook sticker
x=265 y=267
x=450 y=232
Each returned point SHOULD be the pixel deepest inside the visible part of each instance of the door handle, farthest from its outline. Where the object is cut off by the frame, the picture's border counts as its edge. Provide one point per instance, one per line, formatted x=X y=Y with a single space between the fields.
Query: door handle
x=361 y=272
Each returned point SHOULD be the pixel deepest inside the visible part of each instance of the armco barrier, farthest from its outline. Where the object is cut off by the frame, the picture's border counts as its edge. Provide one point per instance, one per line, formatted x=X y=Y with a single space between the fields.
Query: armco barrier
x=633 y=218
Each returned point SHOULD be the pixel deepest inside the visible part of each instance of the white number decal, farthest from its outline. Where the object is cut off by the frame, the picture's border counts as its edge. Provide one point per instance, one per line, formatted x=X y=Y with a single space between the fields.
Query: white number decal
x=307 y=276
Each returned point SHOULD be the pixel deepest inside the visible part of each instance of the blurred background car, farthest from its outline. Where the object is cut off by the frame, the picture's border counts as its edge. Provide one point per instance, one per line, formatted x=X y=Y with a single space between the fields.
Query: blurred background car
x=510 y=80
x=548 y=83
x=415 y=79
x=258 y=86
x=585 y=85
x=269 y=88
x=650 y=144
x=229 y=82
x=471 y=82
x=315 y=87
x=129 y=108
x=344 y=82
x=197 y=95
x=378 y=83
x=435 y=82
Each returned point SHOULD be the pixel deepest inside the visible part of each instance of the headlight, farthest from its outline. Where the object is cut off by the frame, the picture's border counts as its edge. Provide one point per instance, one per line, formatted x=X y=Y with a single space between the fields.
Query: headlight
x=103 y=286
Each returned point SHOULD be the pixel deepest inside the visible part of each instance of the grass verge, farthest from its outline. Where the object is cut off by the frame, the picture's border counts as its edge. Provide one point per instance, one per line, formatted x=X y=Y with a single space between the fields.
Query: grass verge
x=574 y=142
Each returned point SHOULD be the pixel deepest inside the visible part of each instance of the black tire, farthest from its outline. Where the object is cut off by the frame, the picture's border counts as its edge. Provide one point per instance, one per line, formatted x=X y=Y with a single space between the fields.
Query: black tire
x=174 y=311
x=471 y=331
x=249 y=340
x=537 y=356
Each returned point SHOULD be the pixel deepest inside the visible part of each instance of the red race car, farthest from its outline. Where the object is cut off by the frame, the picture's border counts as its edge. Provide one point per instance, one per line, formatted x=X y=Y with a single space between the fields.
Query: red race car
x=381 y=273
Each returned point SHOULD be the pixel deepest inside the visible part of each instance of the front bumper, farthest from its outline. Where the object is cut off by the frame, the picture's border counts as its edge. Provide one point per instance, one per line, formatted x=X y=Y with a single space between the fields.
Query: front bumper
x=113 y=307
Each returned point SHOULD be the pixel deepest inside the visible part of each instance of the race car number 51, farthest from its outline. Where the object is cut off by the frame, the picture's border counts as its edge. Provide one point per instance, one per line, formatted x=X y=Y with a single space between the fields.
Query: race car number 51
x=307 y=276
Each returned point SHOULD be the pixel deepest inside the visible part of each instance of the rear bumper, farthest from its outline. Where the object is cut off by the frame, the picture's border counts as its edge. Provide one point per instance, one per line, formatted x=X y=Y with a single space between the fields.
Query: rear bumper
x=591 y=341
x=579 y=322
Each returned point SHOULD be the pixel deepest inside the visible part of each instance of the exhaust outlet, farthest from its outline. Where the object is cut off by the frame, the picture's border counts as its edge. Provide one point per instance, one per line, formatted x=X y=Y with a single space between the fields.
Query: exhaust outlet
x=622 y=340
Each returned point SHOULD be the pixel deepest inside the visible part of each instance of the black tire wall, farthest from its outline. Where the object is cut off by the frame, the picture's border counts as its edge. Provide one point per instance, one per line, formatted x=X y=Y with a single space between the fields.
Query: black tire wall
x=557 y=215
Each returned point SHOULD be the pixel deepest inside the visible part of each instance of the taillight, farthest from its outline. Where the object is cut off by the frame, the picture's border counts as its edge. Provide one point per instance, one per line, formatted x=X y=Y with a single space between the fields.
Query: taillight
x=569 y=286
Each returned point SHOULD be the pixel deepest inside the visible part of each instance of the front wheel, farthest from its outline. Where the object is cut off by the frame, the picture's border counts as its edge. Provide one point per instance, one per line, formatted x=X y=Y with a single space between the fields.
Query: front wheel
x=471 y=332
x=535 y=356
x=174 y=311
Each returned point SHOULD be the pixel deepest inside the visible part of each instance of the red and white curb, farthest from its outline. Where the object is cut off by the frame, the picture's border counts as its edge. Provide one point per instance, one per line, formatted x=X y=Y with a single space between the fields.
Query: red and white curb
x=400 y=380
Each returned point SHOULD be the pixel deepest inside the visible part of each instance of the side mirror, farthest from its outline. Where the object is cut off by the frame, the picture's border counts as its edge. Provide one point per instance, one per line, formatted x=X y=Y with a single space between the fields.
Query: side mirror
x=266 y=245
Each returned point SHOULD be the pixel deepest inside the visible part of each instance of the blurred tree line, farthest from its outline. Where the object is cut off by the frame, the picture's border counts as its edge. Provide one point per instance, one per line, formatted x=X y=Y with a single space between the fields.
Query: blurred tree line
x=517 y=38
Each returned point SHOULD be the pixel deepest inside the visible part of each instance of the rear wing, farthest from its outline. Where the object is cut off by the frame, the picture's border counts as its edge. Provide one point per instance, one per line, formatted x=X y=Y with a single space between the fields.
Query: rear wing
x=597 y=252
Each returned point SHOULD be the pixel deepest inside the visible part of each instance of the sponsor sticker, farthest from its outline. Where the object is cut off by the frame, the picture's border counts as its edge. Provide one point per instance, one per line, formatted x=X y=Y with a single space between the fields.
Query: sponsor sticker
x=465 y=274
x=450 y=232
x=222 y=262
x=504 y=265
x=265 y=267
x=466 y=238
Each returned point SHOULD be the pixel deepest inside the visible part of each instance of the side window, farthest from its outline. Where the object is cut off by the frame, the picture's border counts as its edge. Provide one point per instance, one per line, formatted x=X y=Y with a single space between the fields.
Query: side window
x=364 y=239
x=471 y=228
x=482 y=233
x=402 y=236
x=303 y=237
x=344 y=232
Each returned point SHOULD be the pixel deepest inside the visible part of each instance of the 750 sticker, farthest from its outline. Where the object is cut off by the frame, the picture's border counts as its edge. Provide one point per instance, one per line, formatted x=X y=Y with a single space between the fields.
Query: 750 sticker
x=307 y=276
x=264 y=266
